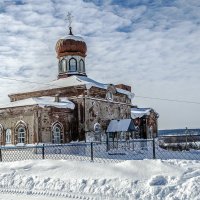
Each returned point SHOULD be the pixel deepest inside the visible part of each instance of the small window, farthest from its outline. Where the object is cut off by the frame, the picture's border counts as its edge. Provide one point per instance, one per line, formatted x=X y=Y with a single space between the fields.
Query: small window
x=60 y=66
x=64 y=65
x=97 y=128
x=8 y=136
x=109 y=96
x=72 y=65
x=81 y=66
x=21 y=135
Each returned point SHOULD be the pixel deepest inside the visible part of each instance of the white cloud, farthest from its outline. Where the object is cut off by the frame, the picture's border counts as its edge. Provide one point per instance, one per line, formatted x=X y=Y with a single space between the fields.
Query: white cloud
x=153 y=46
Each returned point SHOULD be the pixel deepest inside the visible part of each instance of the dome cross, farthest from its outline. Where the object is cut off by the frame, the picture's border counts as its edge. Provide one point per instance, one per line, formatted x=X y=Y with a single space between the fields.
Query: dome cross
x=69 y=20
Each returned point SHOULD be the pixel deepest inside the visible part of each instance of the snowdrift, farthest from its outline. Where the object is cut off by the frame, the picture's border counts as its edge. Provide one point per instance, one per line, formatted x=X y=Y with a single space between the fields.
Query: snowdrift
x=145 y=179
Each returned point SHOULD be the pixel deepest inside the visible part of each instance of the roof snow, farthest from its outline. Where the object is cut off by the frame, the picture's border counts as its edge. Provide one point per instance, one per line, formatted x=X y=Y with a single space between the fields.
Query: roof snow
x=73 y=37
x=77 y=81
x=120 y=125
x=129 y=94
x=41 y=102
x=139 y=112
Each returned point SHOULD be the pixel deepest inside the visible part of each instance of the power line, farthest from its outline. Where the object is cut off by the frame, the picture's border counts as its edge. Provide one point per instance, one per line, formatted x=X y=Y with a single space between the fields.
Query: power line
x=144 y=97
x=20 y=80
x=172 y=100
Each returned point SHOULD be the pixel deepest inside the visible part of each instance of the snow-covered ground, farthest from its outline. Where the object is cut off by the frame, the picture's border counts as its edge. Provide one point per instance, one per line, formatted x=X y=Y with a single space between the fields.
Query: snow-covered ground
x=27 y=197
x=66 y=179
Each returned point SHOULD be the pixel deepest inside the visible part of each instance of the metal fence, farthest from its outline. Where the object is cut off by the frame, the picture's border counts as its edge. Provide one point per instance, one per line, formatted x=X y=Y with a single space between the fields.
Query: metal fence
x=113 y=151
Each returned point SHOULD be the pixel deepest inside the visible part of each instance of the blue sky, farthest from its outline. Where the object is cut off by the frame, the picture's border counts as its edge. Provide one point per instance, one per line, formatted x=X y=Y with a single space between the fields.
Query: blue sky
x=152 y=45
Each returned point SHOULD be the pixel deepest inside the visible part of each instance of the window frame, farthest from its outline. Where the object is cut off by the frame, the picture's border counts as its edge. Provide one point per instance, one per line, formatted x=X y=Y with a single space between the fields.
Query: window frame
x=64 y=65
x=70 y=65
x=81 y=68
x=109 y=96
x=97 y=128
x=60 y=66
x=21 y=135
x=8 y=130
x=57 y=137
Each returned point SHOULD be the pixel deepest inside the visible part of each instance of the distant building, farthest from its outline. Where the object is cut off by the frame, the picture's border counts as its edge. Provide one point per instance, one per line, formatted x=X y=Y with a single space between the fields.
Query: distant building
x=146 y=122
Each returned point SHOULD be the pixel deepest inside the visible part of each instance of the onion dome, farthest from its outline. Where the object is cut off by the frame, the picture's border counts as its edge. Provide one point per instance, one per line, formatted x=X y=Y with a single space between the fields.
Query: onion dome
x=71 y=52
x=71 y=45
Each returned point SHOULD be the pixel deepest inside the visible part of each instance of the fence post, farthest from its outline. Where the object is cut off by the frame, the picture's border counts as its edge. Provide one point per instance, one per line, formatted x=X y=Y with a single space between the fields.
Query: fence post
x=0 y=155
x=92 y=156
x=43 y=151
x=154 y=149
x=107 y=142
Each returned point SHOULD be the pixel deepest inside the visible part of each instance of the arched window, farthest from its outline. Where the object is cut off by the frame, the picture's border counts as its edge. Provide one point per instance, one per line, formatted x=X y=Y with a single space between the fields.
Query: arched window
x=21 y=134
x=81 y=66
x=64 y=65
x=8 y=136
x=109 y=95
x=57 y=134
x=72 y=65
x=97 y=128
x=60 y=66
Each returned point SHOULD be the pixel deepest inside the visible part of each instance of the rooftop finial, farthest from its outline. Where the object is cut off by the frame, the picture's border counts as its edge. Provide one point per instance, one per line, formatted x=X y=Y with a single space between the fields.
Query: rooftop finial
x=69 y=19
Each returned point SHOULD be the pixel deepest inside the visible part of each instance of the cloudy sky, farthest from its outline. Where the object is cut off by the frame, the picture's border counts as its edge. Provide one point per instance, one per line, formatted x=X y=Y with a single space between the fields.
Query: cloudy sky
x=152 y=45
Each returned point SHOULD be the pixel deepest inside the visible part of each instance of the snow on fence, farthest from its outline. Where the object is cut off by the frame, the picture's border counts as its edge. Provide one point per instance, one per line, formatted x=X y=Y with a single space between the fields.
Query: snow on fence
x=112 y=151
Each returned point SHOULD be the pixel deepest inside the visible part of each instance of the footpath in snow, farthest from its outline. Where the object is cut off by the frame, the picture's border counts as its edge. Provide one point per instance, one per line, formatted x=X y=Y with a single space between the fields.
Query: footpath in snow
x=144 y=179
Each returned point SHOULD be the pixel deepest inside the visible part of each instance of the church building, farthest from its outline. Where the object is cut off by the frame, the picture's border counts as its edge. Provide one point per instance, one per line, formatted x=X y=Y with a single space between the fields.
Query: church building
x=72 y=108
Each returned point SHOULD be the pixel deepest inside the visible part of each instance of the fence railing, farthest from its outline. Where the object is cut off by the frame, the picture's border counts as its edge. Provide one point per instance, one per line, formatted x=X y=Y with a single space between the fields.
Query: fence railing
x=112 y=151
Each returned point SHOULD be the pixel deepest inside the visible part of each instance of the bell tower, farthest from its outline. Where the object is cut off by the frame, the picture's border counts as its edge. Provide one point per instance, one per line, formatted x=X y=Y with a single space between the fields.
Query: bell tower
x=71 y=52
